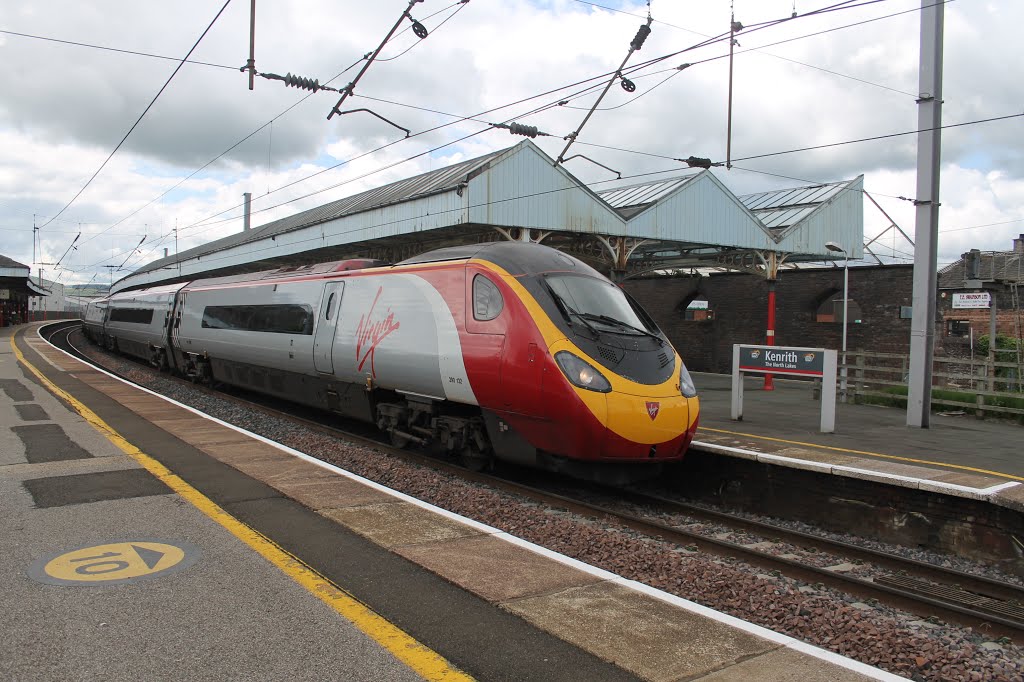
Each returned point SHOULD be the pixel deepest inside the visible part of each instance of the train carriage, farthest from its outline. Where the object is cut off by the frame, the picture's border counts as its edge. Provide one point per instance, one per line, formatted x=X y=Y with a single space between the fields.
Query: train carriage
x=497 y=351
x=137 y=322
x=94 y=318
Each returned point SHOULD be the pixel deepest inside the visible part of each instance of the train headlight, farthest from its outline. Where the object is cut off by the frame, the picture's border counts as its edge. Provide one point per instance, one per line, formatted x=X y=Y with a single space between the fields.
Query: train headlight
x=580 y=373
x=686 y=386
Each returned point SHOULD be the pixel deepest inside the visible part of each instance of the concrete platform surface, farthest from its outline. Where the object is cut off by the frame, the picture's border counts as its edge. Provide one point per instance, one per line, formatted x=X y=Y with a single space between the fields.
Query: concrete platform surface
x=958 y=455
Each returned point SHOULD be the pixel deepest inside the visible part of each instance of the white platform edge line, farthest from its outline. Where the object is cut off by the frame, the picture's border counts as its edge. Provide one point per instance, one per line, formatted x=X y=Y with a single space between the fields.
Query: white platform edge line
x=938 y=486
x=484 y=528
x=693 y=607
x=764 y=633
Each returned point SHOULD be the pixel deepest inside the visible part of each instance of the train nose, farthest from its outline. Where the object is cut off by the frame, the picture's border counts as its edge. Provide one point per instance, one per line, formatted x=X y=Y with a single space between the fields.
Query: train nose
x=653 y=427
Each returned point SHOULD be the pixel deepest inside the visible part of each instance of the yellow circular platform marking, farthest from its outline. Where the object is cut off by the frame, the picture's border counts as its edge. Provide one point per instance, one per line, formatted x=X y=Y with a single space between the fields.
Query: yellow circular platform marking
x=113 y=563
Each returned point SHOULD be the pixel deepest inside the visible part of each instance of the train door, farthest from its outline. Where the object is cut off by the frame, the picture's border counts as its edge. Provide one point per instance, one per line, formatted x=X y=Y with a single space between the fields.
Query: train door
x=174 y=335
x=487 y=324
x=326 y=325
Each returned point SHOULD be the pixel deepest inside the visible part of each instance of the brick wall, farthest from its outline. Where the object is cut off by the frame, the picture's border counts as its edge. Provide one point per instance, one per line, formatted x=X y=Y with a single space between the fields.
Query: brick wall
x=980 y=319
x=740 y=304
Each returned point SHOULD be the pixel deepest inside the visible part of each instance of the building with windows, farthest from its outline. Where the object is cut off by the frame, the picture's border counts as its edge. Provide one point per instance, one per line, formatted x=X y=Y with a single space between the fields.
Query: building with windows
x=971 y=287
x=16 y=288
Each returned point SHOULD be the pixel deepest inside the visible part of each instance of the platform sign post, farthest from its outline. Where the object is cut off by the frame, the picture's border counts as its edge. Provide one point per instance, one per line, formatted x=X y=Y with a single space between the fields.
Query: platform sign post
x=792 y=361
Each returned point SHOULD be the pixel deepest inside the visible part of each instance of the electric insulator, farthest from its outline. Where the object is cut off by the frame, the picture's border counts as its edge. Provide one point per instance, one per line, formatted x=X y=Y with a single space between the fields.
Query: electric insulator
x=641 y=36
x=628 y=85
x=301 y=82
x=697 y=162
x=520 y=129
x=419 y=29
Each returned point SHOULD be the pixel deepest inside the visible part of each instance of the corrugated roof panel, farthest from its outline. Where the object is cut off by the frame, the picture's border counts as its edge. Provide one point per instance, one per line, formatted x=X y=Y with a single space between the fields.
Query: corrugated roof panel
x=643 y=193
x=789 y=197
x=395 y=192
x=779 y=218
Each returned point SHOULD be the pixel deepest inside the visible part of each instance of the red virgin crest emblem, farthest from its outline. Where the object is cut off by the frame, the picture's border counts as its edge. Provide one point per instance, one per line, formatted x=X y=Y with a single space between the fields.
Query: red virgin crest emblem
x=652 y=409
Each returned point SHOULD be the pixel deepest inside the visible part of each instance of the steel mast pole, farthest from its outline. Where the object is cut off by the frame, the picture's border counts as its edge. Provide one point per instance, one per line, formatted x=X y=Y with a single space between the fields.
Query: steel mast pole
x=926 y=227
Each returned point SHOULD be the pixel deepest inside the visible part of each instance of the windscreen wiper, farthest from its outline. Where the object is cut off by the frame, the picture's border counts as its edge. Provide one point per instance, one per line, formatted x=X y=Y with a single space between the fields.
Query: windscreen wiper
x=625 y=325
x=568 y=311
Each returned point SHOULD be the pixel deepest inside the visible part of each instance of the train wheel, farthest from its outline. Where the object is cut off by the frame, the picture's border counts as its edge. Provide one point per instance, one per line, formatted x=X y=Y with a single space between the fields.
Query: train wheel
x=474 y=458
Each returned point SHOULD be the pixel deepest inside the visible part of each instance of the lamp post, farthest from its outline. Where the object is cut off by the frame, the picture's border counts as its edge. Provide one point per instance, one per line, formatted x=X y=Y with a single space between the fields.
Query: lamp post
x=832 y=246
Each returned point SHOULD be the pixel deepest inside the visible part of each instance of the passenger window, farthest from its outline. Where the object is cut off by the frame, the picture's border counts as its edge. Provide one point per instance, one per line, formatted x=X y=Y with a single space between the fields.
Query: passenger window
x=487 y=301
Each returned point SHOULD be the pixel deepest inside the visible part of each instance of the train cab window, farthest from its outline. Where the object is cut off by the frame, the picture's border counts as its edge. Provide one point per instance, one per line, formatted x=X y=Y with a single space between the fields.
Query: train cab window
x=487 y=301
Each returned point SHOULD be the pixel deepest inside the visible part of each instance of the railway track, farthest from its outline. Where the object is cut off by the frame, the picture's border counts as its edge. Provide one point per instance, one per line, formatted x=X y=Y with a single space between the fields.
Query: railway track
x=931 y=592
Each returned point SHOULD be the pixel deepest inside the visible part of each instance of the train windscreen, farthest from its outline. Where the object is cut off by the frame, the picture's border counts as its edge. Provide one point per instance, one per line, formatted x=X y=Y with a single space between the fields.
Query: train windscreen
x=597 y=300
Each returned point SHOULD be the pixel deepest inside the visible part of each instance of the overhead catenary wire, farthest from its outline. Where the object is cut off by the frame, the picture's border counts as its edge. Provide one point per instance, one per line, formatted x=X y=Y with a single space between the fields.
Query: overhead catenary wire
x=460 y=3
x=350 y=88
x=223 y=153
x=489 y=202
x=592 y=88
x=115 y=49
x=821 y=146
x=634 y=46
x=212 y=259
x=639 y=66
x=143 y=114
x=315 y=86
x=675 y=71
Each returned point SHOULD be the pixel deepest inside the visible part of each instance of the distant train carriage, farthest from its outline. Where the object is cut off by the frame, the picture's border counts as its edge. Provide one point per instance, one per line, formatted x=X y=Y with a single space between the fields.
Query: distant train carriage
x=137 y=322
x=94 y=318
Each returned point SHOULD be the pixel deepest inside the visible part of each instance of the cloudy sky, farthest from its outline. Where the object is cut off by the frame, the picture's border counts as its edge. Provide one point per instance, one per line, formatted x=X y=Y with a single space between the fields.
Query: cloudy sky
x=178 y=178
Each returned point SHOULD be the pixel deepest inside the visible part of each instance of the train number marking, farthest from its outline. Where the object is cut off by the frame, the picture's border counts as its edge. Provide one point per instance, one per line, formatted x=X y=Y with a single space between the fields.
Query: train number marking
x=116 y=562
x=455 y=380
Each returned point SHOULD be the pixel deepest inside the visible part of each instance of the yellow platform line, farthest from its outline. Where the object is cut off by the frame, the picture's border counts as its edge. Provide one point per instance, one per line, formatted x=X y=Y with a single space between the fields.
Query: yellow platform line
x=959 y=467
x=424 y=661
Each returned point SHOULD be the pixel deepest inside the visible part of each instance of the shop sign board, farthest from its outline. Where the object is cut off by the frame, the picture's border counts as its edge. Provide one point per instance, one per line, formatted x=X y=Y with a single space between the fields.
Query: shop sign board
x=974 y=299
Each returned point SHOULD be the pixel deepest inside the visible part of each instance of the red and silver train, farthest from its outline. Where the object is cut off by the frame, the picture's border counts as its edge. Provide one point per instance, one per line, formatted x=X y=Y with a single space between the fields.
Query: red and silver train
x=504 y=351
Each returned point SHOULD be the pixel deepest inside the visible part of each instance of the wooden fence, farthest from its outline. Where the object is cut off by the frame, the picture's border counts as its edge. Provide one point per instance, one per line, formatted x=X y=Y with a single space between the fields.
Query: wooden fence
x=989 y=383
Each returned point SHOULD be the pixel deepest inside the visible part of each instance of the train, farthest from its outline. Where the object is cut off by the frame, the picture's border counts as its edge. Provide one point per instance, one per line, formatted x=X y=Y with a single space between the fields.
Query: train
x=503 y=351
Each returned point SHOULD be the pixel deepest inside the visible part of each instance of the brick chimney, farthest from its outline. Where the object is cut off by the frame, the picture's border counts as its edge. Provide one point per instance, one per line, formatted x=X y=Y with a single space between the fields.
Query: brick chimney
x=1018 y=244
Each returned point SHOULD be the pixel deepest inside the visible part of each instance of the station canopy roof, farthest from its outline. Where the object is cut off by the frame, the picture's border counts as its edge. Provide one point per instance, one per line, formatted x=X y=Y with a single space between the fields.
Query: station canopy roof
x=690 y=220
x=15 y=278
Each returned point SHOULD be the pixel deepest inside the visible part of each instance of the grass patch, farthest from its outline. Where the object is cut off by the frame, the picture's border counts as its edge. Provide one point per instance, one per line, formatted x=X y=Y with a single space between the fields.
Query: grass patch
x=896 y=396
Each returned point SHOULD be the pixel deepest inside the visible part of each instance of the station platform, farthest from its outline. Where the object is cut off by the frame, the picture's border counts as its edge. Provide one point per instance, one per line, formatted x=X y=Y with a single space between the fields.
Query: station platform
x=957 y=455
x=145 y=539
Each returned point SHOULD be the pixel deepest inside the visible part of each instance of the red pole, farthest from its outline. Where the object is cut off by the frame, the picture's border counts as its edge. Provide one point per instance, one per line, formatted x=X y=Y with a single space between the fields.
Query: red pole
x=770 y=334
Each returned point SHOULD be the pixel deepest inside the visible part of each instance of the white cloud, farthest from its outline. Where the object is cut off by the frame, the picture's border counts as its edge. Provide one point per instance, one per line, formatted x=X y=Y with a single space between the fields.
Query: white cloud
x=73 y=104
